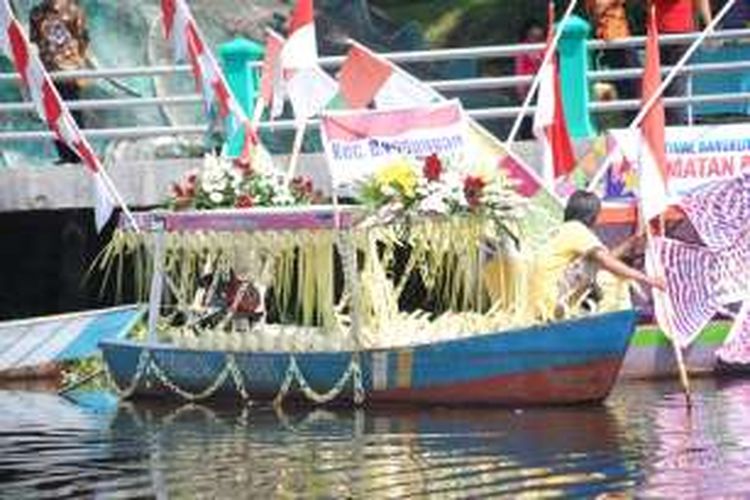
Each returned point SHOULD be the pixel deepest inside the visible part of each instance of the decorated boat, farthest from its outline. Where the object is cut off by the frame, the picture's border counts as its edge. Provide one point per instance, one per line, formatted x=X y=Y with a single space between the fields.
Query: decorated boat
x=34 y=348
x=418 y=294
x=330 y=314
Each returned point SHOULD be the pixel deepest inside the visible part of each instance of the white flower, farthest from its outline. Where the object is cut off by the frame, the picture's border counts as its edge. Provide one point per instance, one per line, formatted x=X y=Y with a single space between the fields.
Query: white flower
x=388 y=190
x=236 y=178
x=434 y=204
x=211 y=163
x=216 y=197
x=282 y=198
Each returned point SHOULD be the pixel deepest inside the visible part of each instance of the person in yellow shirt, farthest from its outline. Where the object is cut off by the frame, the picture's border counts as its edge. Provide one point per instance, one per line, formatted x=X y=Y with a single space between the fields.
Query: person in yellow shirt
x=568 y=266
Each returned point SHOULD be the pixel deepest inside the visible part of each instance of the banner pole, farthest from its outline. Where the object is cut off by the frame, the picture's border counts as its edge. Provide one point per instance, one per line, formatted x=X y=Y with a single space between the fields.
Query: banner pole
x=602 y=170
x=296 y=151
x=260 y=106
x=679 y=358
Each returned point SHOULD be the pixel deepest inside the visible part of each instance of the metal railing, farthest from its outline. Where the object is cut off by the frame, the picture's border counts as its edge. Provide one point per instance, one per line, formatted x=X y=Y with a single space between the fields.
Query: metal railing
x=425 y=56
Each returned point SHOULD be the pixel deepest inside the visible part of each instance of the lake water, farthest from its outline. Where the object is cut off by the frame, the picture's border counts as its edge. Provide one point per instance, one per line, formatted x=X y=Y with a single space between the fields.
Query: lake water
x=641 y=442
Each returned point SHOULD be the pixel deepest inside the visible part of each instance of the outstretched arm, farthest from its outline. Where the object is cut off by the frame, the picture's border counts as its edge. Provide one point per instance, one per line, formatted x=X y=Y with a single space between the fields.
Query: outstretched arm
x=607 y=261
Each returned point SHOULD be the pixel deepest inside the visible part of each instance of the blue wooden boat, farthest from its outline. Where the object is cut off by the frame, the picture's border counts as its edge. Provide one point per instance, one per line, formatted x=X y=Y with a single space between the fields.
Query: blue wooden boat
x=33 y=348
x=567 y=362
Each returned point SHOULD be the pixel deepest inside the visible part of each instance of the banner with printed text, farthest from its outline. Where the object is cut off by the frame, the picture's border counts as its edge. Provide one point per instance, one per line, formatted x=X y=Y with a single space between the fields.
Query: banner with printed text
x=357 y=143
x=695 y=156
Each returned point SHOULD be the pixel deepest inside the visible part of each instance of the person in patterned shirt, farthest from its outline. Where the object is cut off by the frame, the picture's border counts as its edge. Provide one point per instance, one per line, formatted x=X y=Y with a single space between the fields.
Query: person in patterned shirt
x=610 y=21
x=58 y=28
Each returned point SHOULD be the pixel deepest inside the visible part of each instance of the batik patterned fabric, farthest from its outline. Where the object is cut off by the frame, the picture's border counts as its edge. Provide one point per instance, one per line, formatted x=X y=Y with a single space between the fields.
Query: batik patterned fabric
x=700 y=280
x=720 y=213
x=736 y=348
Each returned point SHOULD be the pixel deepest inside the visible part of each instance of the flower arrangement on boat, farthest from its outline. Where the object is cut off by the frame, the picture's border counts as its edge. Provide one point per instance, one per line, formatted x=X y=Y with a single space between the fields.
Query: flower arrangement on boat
x=241 y=184
x=439 y=186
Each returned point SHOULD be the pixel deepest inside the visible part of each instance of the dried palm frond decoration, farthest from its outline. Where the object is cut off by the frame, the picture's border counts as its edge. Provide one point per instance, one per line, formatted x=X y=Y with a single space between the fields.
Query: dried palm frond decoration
x=436 y=254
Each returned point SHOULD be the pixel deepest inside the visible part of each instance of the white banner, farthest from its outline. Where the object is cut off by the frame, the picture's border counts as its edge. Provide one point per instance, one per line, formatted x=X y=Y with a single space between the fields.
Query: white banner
x=357 y=143
x=695 y=157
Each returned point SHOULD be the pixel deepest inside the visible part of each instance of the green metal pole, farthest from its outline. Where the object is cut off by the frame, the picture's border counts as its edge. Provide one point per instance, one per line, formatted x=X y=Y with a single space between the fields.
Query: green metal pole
x=574 y=66
x=243 y=80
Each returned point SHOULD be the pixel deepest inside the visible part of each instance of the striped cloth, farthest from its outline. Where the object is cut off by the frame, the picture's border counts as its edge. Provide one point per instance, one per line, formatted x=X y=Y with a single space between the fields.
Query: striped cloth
x=700 y=280
x=736 y=348
x=720 y=211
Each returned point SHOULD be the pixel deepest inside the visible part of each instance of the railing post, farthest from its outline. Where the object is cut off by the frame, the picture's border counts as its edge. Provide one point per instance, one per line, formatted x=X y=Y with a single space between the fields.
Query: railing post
x=690 y=110
x=574 y=68
x=241 y=78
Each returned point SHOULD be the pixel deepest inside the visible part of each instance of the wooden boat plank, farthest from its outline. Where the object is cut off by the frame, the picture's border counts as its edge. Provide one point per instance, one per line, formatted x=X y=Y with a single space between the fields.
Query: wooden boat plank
x=30 y=343
x=11 y=358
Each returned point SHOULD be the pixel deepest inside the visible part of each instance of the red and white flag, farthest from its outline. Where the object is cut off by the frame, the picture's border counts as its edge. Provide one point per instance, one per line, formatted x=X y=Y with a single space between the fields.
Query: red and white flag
x=310 y=89
x=189 y=44
x=301 y=48
x=361 y=78
x=271 y=82
x=367 y=77
x=653 y=174
x=550 y=126
x=52 y=109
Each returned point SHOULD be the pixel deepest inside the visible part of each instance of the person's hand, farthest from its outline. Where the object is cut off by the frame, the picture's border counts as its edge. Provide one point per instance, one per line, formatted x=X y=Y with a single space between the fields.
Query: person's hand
x=658 y=282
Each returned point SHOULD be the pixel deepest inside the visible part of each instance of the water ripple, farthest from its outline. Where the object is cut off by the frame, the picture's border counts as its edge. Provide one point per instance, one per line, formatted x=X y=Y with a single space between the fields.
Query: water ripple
x=642 y=443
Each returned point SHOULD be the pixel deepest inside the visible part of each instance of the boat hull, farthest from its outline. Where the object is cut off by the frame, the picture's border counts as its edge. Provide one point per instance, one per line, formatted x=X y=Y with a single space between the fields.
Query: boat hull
x=36 y=348
x=562 y=363
x=651 y=355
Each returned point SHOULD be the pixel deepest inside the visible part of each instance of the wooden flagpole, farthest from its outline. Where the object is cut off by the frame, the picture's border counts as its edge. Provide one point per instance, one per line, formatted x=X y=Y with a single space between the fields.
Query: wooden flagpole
x=678 y=355
x=260 y=106
x=296 y=151
x=548 y=54
x=599 y=175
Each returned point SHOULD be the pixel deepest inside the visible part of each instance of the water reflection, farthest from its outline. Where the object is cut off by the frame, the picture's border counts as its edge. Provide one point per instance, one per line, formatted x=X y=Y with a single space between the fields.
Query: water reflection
x=641 y=443
x=383 y=453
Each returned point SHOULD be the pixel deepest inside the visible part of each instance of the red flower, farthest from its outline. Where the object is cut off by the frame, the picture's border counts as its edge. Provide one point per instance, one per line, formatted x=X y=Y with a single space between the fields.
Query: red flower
x=473 y=187
x=301 y=186
x=244 y=201
x=433 y=167
x=244 y=166
x=192 y=179
x=177 y=190
x=190 y=190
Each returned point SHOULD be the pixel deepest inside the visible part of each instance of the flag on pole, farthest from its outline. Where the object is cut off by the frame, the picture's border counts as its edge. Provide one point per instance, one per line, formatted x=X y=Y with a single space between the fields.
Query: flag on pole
x=189 y=44
x=301 y=48
x=271 y=83
x=362 y=76
x=50 y=108
x=310 y=90
x=550 y=126
x=366 y=77
x=653 y=175
x=309 y=87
